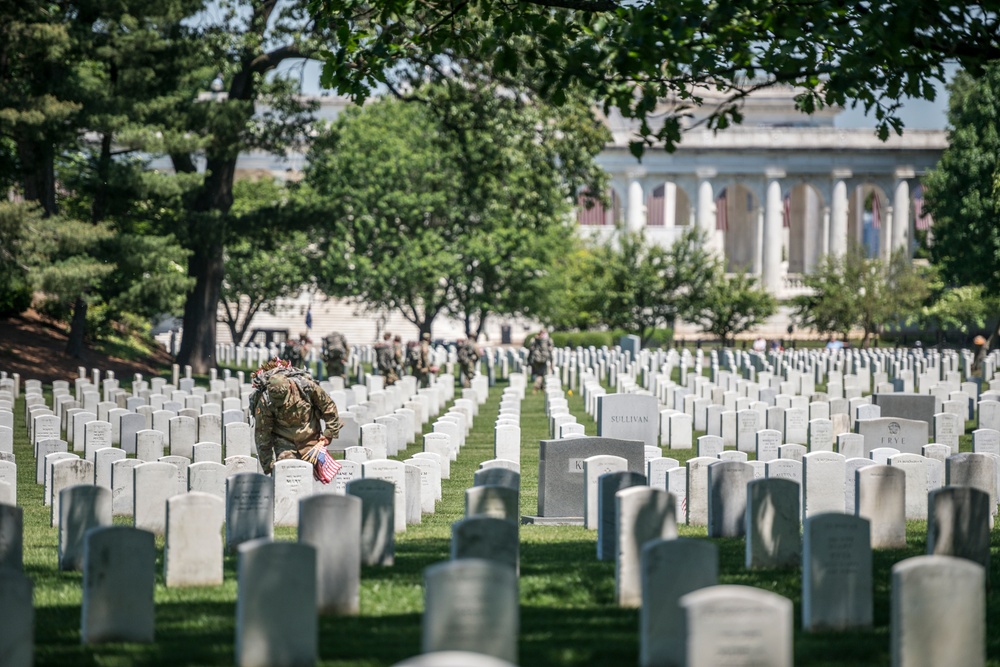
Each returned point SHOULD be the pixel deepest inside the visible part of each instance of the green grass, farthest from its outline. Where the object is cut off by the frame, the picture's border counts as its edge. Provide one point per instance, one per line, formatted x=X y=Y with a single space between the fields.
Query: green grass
x=568 y=613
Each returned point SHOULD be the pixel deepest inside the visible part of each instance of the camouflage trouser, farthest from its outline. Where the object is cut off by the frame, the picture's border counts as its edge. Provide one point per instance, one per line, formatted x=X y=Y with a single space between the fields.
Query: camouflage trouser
x=281 y=451
x=468 y=372
x=538 y=372
x=336 y=369
x=391 y=377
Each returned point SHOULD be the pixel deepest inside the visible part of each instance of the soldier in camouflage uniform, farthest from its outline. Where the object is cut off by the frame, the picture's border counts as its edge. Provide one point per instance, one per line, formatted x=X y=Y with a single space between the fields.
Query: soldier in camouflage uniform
x=539 y=356
x=335 y=355
x=468 y=359
x=385 y=360
x=422 y=364
x=399 y=356
x=287 y=406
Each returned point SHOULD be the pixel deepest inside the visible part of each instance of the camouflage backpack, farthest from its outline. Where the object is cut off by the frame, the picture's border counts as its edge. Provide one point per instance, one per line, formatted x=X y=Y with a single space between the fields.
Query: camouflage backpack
x=335 y=346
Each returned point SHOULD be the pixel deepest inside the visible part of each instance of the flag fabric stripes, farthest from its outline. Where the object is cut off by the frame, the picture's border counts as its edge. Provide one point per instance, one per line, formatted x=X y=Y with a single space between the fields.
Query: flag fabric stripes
x=595 y=215
x=876 y=212
x=786 y=212
x=654 y=207
x=921 y=219
x=721 y=212
x=325 y=467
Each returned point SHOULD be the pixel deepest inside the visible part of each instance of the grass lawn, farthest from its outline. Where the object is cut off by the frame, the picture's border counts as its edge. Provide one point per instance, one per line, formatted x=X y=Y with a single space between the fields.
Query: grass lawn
x=568 y=615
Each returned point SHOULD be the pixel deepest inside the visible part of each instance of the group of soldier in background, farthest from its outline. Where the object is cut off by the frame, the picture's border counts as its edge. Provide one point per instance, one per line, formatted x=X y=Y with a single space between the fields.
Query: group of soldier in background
x=392 y=360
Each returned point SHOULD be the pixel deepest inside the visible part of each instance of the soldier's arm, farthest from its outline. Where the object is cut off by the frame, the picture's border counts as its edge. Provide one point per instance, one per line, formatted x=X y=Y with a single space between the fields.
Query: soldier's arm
x=264 y=437
x=327 y=409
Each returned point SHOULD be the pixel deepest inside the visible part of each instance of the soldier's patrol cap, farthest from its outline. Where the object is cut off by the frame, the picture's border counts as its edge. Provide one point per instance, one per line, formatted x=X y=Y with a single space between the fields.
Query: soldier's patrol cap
x=278 y=387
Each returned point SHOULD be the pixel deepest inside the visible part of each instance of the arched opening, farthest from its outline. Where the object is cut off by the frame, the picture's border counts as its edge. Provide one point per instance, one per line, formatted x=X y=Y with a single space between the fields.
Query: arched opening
x=866 y=216
x=668 y=206
x=591 y=212
x=803 y=223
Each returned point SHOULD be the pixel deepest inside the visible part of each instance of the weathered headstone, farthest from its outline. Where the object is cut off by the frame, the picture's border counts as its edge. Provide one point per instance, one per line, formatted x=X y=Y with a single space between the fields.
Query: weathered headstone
x=331 y=524
x=249 y=508
x=671 y=568
x=118 y=583
x=471 y=604
x=628 y=417
x=720 y=622
x=193 y=555
x=880 y=494
x=560 y=471
x=378 y=542
x=937 y=615
x=772 y=524
x=836 y=573
x=958 y=524
x=82 y=507
x=276 y=621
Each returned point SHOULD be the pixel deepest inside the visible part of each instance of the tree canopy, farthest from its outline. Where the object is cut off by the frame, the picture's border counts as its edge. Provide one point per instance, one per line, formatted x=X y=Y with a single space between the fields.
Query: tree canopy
x=633 y=55
x=963 y=191
x=457 y=206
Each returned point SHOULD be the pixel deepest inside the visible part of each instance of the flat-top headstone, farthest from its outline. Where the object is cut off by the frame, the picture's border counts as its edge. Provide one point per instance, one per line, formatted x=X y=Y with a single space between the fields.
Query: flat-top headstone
x=906 y=435
x=975 y=470
x=560 y=470
x=721 y=623
x=628 y=417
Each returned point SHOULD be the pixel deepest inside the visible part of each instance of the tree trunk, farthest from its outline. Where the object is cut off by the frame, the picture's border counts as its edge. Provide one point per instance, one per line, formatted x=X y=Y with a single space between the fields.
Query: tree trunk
x=38 y=173
x=77 y=329
x=207 y=267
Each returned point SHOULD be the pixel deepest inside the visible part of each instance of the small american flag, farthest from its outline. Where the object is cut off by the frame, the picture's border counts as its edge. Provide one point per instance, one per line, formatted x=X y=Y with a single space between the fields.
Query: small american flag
x=325 y=467
x=921 y=219
x=721 y=212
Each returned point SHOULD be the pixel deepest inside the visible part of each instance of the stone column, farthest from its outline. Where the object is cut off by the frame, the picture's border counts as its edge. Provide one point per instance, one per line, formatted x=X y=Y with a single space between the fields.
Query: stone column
x=901 y=222
x=838 y=218
x=885 y=233
x=635 y=211
x=669 y=205
x=825 y=241
x=706 y=208
x=771 y=273
x=757 y=215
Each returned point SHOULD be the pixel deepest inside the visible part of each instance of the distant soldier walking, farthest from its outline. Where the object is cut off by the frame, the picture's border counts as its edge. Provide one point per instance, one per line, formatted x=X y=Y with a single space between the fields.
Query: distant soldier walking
x=468 y=359
x=422 y=367
x=335 y=355
x=539 y=356
x=288 y=406
x=385 y=360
